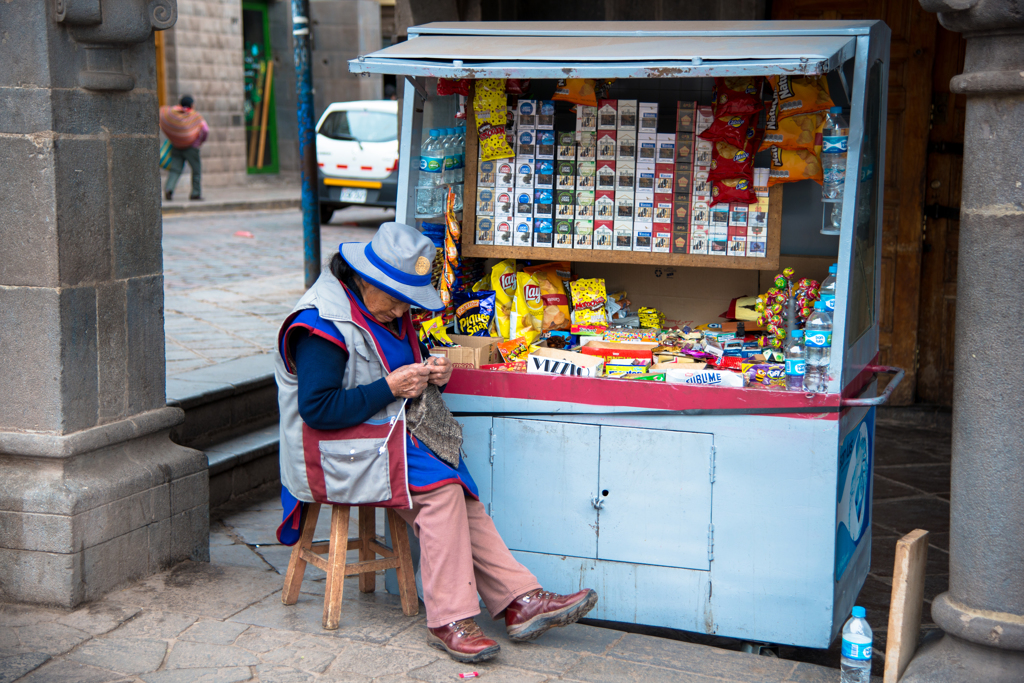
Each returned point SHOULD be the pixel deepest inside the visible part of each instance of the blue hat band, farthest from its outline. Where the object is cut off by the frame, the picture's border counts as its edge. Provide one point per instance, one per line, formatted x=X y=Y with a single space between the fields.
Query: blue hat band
x=394 y=273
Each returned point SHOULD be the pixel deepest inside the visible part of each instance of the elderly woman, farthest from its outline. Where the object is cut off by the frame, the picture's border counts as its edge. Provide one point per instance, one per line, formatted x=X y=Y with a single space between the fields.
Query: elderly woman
x=349 y=361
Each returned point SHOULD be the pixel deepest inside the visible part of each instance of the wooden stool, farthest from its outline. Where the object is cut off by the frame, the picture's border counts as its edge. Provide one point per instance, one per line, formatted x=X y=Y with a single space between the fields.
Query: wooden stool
x=369 y=546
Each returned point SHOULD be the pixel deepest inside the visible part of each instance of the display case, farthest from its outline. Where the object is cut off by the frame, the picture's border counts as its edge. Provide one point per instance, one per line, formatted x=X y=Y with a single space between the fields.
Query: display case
x=738 y=512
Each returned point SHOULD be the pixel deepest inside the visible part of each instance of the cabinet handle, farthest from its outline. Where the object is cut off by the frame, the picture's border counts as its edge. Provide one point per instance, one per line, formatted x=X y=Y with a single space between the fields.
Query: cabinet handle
x=598 y=503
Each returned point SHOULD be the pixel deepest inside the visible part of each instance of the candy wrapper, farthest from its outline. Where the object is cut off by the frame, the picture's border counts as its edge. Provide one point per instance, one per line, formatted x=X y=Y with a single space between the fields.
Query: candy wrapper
x=503 y=283
x=514 y=350
x=474 y=314
x=792 y=165
x=527 y=308
x=453 y=86
x=433 y=333
x=552 y=277
x=800 y=94
x=651 y=318
x=577 y=91
x=517 y=366
x=738 y=95
x=588 y=300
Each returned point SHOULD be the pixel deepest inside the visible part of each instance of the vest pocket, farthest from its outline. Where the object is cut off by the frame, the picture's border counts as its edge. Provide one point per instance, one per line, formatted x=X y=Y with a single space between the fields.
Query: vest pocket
x=356 y=471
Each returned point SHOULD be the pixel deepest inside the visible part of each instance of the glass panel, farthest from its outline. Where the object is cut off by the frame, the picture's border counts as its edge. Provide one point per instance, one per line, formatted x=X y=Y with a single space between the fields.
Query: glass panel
x=862 y=279
x=364 y=126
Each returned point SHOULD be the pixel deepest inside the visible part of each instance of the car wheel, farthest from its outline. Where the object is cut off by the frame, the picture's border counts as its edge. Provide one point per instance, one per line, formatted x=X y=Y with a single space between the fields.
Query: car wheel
x=325 y=214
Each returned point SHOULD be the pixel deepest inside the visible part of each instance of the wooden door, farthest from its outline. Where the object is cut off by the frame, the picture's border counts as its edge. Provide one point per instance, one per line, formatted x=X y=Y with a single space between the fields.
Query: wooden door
x=942 y=225
x=910 y=86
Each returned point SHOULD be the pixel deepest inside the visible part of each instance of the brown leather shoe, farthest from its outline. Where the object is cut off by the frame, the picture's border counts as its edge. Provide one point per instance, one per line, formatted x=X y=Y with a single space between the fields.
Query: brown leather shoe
x=533 y=613
x=464 y=641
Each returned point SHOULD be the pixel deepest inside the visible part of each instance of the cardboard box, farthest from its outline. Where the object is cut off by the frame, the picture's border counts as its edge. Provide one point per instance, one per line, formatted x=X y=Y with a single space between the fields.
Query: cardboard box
x=605 y=175
x=525 y=170
x=647 y=148
x=523 y=231
x=545 y=144
x=666 y=148
x=625 y=141
x=586 y=119
x=484 y=230
x=563 y=234
x=625 y=176
x=504 y=173
x=526 y=143
x=583 y=234
x=546 y=114
x=642 y=236
x=526 y=114
x=504 y=201
x=504 y=230
x=485 y=174
x=631 y=350
x=622 y=235
x=647 y=115
x=607 y=114
x=546 y=361
x=603 y=235
x=606 y=148
x=686 y=115
x=706 y=377
x=543 y=232
x=471 y=352
x=627 y=115
x=524 y=202
x=604 y=206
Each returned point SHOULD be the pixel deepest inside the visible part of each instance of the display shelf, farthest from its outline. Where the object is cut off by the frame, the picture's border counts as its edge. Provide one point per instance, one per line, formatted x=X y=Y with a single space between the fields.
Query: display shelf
x=470 y=248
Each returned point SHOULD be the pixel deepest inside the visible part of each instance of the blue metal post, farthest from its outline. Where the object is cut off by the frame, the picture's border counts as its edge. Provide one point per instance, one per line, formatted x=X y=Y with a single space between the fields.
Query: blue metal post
x=307 y=140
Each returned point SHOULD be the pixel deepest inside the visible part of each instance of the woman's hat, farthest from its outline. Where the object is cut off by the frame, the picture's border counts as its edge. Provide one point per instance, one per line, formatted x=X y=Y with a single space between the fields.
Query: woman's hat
x=399 y=261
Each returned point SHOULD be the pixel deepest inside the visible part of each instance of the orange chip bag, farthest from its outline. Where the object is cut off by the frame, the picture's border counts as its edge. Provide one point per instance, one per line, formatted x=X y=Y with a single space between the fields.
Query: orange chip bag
x=552 y=277
x=514 y=349
x=527 y=308
x=800 y=94
x=791 y=165
x=577 y=91
x=802 y=131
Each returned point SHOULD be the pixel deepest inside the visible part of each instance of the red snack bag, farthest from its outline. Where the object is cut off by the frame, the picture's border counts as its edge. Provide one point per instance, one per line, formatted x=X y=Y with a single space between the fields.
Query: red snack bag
x=738 y=95
x=452 y=86
x=731 y=128
x=728 y=161
x=733 y=190
x=517 y=86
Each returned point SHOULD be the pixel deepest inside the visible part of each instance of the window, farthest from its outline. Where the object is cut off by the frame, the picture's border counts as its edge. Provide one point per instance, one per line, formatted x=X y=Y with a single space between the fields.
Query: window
x=361 y=126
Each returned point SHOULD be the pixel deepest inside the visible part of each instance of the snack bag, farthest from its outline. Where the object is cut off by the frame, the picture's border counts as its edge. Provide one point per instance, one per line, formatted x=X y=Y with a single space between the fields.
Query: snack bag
x=474 y=314
x=453 y=86
x=551 y=277
x=738 y=95
x=731 y=190
x=791 y=165
x=503 y=282
x=728 y=161
x=490 y=95
x=588 y=300
x=489 y=105
x=527 y=308
x=432 y=333
x=514 y=350
x=731 y=128
x=577 y=91
x=801 y=131
x=800 y=94
x=517 y=86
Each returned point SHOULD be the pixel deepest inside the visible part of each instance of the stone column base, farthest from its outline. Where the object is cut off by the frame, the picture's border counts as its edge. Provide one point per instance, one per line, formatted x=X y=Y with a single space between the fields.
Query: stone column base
x=83 y=514
x=954 y=660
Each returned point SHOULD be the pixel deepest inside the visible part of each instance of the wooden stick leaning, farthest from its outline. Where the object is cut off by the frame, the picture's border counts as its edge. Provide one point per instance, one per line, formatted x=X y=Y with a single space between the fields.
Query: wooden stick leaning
x=254 y=133
x=267 y=88
x=906 y=603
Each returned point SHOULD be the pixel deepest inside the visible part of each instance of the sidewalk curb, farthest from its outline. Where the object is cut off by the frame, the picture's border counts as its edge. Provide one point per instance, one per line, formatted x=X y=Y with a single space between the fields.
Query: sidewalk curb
x=244 y=205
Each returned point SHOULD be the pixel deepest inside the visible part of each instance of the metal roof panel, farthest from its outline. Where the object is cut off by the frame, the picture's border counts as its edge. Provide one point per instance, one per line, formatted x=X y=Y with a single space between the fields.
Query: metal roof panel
x=644 y=28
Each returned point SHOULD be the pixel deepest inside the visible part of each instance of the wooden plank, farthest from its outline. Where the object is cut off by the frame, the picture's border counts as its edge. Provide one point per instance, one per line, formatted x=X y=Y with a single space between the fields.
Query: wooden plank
x=369 y=567
x=367 y=515
x=406 y=577
x=334 y=588
x=297 y=565
x=267 y=89
x=907 y=601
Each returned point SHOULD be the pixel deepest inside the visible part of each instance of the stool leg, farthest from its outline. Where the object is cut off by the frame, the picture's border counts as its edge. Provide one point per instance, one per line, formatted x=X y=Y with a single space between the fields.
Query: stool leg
x=367 y=531
x=335 y=586
x=406 y=575
x=297 y=565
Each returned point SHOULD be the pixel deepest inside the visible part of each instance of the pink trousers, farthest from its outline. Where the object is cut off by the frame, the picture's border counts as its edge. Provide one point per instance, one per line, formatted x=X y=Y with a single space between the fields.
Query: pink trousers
x=461 y=555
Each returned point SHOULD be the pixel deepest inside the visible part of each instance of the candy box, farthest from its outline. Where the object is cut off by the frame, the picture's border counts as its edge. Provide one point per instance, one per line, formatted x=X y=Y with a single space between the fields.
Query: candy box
x=583 y=234
x=543 y=232
x=606 y=148
x=627 y=115
x=525 y=169
x=603 y=235
x=546 y=114
x=504 y=228
x=526 y=114
x=623 y=236
x=485 y=174
x=607 y=114
x=649 y=377
x=706 y=377
x=546 y=361
x=630 y=335
x=484 y=230
x=544 y=177
x=629 y=350
x=515 y=366
x=545 y=144
x=470 y=352
x=563 y=234
x=624 y=371
x=647 y=113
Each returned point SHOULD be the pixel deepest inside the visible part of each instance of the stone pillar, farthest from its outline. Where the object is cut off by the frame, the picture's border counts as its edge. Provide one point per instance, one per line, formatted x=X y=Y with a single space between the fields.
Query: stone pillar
x=94 y=494
x=983 y=612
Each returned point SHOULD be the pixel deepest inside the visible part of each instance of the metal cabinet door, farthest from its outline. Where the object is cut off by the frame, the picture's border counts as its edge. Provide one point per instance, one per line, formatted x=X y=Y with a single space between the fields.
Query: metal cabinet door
x=476 y=444
x=544 y=482
x=655 y=497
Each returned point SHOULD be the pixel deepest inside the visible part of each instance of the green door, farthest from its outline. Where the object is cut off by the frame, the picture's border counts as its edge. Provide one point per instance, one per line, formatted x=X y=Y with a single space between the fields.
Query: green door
x=260 y=118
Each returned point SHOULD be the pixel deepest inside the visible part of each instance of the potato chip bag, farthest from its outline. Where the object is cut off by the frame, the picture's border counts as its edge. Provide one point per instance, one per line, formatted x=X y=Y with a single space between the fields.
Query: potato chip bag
x=552 y=277
x=588 y=300
x=576 y=90
x=453 y=86
x=514 y=349
x=432 y=333
x=728 y=161
x=503 y=283
x=800 y=94
x=731 y=128
x=474 y=314
x=489 y=94
x=738 y=95
x=730 y=190
x=527 y=308
x=801 y=131
x=791 y=165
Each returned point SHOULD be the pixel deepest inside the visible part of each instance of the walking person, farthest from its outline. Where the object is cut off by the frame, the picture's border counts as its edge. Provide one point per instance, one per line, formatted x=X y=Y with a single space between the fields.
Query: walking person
x=187 y=131
x=350 y=365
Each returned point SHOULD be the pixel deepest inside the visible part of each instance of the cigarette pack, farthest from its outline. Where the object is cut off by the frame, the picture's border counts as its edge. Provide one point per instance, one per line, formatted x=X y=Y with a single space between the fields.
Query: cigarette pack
x=586 y=138
x=642 y=234
x=565 y=182
x=525 y=170
x=625 y=176
x=565 y=138
x=603 y=235
x=545 y=144
x=680 y=239
x=643 y=208
x=647 y=147
x=566 y=152
x=606 y=145
x=685 y=116
x=586 y=152
x=504 y=201
x=623 y=236
x=701 y=184
x=485 y=230
x=705 y=117
x=627 y=115
x=700 y=214
x=543 y=203
x=524 y=231
x=583 y=234
x=586 y=182
x=586 y=120
x=546 y=114
x=719 y=216
x=605 y=175
x=565 y=211
x=625 y=141
x=485 y=202
x=526 y=143
x=681 y=211
x=702 y=152
x=544 y=174
x=524 y=202
x=485 y=174
x=757 y=248
x=563 y=234
x=564 y=198
x=719 y=236
x=666 y=148
x=645 y=178
x=663 y=208
x=664 y=179
x=604 y=206
x=738 y=216
x=684 y=180
x=684 y=148
x=624 y=207
x=526 y=114
x=699 y=240
x=607 y=114
x=661 y=239
x=543 y=232
x=503 y=231
x=504 y=173
x=647 y=115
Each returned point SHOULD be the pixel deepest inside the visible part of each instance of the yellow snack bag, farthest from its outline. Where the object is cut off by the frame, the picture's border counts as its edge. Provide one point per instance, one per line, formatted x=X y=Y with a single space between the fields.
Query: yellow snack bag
x=433 y=333
x=800 y=94
x=552 y=277
x=527 y=309
x=791 y=165
x=489 y=107
x=801 y=131
x=577 y=91
x=503 y=282
x=588 y=301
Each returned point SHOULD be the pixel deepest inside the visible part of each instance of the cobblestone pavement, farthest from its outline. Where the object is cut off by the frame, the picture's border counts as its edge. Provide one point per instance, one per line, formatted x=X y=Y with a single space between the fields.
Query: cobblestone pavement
x=226 y=295
x=223 y=622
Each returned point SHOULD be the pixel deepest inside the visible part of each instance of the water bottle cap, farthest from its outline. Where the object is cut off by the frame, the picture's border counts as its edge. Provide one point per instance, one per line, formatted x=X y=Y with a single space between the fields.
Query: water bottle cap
x=434 y=132
x=836 y=110
x=833 y=269
x=859 y=612
x=451 y=131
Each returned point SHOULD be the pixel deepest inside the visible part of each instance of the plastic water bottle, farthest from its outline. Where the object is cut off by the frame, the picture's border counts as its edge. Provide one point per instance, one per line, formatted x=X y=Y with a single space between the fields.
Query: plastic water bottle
x=828 y=289
x=796 y=362
x=460 y=150
x=450 y=155
x=855 y=663
x=834 y=144
x=428 y=199
x=818 y=340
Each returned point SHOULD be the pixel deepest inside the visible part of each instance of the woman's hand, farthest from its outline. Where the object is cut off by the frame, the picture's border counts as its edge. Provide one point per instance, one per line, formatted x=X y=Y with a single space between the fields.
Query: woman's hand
x=440 y=370
x=409 y=381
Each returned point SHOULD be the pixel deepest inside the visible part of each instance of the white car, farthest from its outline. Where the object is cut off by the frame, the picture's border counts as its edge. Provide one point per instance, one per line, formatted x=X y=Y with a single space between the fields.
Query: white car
x=357 y=155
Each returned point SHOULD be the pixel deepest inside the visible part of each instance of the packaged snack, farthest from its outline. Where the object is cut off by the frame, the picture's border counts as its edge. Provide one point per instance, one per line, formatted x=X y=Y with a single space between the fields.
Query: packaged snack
x=730 y=190
x=491 y=136
x=800 y=94
x=453 y=86
x=517 y=86
x=517 y=366
x=474 y=314
x=731 y=128
x=791 y=165
x=503 y=282
x=588 y=299
x=738 y=95
x=432 y=333
x=527 y=308
x=728 y=161
x=800 y=131
x=576 y=90
x=551 y=278
x=514 y=350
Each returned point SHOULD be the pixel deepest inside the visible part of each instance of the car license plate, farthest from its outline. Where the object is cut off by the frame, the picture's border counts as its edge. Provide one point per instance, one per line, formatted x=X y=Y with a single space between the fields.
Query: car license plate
x=354 y=195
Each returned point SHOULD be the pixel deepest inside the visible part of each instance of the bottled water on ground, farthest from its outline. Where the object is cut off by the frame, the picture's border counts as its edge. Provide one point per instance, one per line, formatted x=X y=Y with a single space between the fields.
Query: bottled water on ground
x=833 y=155
x=828 y=289
x=855 y=662
x=818 y=342
x=428 y=186
x=796 y=362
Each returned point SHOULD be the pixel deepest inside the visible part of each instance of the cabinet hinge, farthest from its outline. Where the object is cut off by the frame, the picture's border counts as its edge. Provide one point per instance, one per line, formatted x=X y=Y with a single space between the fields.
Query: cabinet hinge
x=711 y=472
x=711 y=542
x=494 y=445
